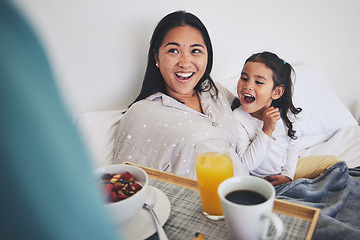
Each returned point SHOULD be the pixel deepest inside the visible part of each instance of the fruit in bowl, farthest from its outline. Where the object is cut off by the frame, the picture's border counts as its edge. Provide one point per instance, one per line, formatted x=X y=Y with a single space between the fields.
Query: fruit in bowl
x=130 y=193
x=117 y=187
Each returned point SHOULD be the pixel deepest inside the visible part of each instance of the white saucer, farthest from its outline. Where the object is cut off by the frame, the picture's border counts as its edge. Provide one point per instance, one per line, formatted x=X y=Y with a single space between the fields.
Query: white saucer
x=142 y=225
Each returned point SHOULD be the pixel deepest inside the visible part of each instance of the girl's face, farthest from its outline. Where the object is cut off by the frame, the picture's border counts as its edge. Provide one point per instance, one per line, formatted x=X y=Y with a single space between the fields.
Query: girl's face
x=182 y=60
x=256 y=88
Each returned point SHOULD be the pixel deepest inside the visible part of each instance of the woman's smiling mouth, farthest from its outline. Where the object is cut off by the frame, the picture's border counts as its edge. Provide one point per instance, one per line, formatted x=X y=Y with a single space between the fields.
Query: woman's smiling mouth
x=183 y=76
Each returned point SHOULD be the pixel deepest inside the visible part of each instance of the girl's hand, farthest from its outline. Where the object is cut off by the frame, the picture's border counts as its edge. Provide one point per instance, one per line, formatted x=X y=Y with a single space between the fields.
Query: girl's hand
x=270 y=118
x=277 y=179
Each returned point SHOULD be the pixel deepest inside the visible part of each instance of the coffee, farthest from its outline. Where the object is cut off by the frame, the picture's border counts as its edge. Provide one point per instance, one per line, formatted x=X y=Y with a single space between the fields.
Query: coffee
x=246 y=201
x=245 y=197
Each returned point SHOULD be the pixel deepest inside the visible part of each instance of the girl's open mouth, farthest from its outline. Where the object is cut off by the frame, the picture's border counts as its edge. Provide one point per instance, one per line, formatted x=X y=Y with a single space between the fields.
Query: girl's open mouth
x=248 y=98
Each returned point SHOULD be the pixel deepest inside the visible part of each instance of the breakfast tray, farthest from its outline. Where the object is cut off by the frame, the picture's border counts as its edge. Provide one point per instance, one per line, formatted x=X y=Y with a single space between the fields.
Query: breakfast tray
x=301 y=217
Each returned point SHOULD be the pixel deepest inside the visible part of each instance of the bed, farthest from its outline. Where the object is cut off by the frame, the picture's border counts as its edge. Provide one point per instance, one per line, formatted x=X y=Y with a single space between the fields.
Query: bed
x=325 y=127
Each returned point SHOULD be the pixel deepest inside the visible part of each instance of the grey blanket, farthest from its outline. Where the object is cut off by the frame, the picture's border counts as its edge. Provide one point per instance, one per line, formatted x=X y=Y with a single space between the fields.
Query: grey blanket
x=337 y=194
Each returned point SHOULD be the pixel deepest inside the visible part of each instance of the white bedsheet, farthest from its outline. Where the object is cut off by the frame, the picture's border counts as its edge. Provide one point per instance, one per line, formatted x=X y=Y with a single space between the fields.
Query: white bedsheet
x=345 y=144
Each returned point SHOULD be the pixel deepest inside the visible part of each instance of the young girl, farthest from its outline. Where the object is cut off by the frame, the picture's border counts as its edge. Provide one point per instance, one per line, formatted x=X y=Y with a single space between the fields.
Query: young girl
x=265 y=94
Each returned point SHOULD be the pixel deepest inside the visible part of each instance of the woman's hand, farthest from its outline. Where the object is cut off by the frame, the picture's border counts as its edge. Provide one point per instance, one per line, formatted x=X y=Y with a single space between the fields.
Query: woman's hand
x=270 y=118
x=277 y=179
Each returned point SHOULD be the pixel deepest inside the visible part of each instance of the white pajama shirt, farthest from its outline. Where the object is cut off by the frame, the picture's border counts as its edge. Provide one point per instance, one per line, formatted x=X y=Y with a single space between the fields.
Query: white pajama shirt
x=263 y=155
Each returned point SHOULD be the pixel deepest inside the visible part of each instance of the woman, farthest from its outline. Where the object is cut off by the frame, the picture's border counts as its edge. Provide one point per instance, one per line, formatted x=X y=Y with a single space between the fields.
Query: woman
x=179 y=104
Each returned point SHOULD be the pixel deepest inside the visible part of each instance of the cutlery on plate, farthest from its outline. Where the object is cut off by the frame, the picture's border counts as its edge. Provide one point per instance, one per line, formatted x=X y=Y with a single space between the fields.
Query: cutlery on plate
x=149 y=204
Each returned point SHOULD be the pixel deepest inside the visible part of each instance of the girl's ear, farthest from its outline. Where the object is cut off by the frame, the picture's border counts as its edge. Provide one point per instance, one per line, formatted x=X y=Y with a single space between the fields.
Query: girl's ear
x=278 y=92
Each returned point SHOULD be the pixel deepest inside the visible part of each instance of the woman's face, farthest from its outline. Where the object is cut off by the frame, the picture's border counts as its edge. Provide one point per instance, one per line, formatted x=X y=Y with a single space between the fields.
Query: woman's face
x=182 y=60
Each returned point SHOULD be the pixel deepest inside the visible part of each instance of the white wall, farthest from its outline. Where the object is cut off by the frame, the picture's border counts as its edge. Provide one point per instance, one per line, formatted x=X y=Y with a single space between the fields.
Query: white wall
x=99 y=48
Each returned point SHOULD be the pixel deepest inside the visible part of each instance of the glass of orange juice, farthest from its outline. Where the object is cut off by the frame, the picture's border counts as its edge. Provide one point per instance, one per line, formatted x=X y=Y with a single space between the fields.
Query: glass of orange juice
x=213 y=165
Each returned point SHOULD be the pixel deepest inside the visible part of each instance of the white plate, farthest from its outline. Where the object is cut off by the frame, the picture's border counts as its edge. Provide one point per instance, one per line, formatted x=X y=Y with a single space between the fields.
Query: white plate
x=142 y=225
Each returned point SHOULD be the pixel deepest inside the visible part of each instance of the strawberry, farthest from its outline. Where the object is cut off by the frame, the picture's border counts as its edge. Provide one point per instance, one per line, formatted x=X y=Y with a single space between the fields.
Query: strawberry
x=135 y=186
x=114 y=197
x=127 y=176
x=108 y=190
x=118 y=186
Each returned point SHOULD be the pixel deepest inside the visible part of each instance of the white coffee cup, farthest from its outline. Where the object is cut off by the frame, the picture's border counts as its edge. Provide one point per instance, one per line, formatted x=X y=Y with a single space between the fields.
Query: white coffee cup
x=249 y=221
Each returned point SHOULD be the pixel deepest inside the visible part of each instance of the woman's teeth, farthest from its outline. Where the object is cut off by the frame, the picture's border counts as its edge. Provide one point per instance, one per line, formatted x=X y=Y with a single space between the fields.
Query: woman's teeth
x=184 y=75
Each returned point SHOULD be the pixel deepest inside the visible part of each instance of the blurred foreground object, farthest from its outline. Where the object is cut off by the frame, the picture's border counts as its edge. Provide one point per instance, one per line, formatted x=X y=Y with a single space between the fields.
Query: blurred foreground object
x=46 y=179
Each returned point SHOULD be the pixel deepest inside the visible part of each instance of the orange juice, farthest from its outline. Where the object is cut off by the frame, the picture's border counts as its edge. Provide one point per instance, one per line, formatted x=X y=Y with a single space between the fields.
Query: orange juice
x=211 y=170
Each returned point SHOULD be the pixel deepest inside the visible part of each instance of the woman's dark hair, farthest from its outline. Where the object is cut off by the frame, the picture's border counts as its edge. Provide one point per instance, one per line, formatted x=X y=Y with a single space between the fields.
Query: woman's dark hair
x=153 y=80
x=282 y=73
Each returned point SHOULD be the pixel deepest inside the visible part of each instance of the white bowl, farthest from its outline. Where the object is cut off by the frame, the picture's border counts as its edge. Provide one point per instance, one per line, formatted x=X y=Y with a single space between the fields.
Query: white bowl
x=123 y=211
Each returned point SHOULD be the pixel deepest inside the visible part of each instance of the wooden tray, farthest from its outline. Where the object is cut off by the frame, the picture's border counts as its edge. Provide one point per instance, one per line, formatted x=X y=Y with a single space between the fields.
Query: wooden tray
x=280 y=206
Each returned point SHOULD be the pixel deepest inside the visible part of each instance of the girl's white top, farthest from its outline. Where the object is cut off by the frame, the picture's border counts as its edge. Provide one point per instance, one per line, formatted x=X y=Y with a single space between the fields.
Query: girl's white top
x=263 y=155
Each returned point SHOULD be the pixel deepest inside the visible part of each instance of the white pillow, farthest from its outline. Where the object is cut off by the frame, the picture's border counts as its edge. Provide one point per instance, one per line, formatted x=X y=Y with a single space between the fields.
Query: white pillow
x=345 y=144
x=323 y=113
x=97 y=130
x=230 y=84
x=322 y=109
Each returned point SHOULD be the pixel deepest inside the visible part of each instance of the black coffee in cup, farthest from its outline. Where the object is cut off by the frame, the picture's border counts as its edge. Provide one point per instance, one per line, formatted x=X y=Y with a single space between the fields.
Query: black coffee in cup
x=245 y=197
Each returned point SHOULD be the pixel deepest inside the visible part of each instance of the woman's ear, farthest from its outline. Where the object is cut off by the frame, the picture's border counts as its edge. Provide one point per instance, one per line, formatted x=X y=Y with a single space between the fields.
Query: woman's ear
x=156 y=56
x=278 y=92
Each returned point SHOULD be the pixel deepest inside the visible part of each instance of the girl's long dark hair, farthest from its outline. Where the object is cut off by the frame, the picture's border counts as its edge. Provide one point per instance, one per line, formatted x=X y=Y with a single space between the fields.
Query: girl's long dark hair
x=282 y=75
x=153 y=80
